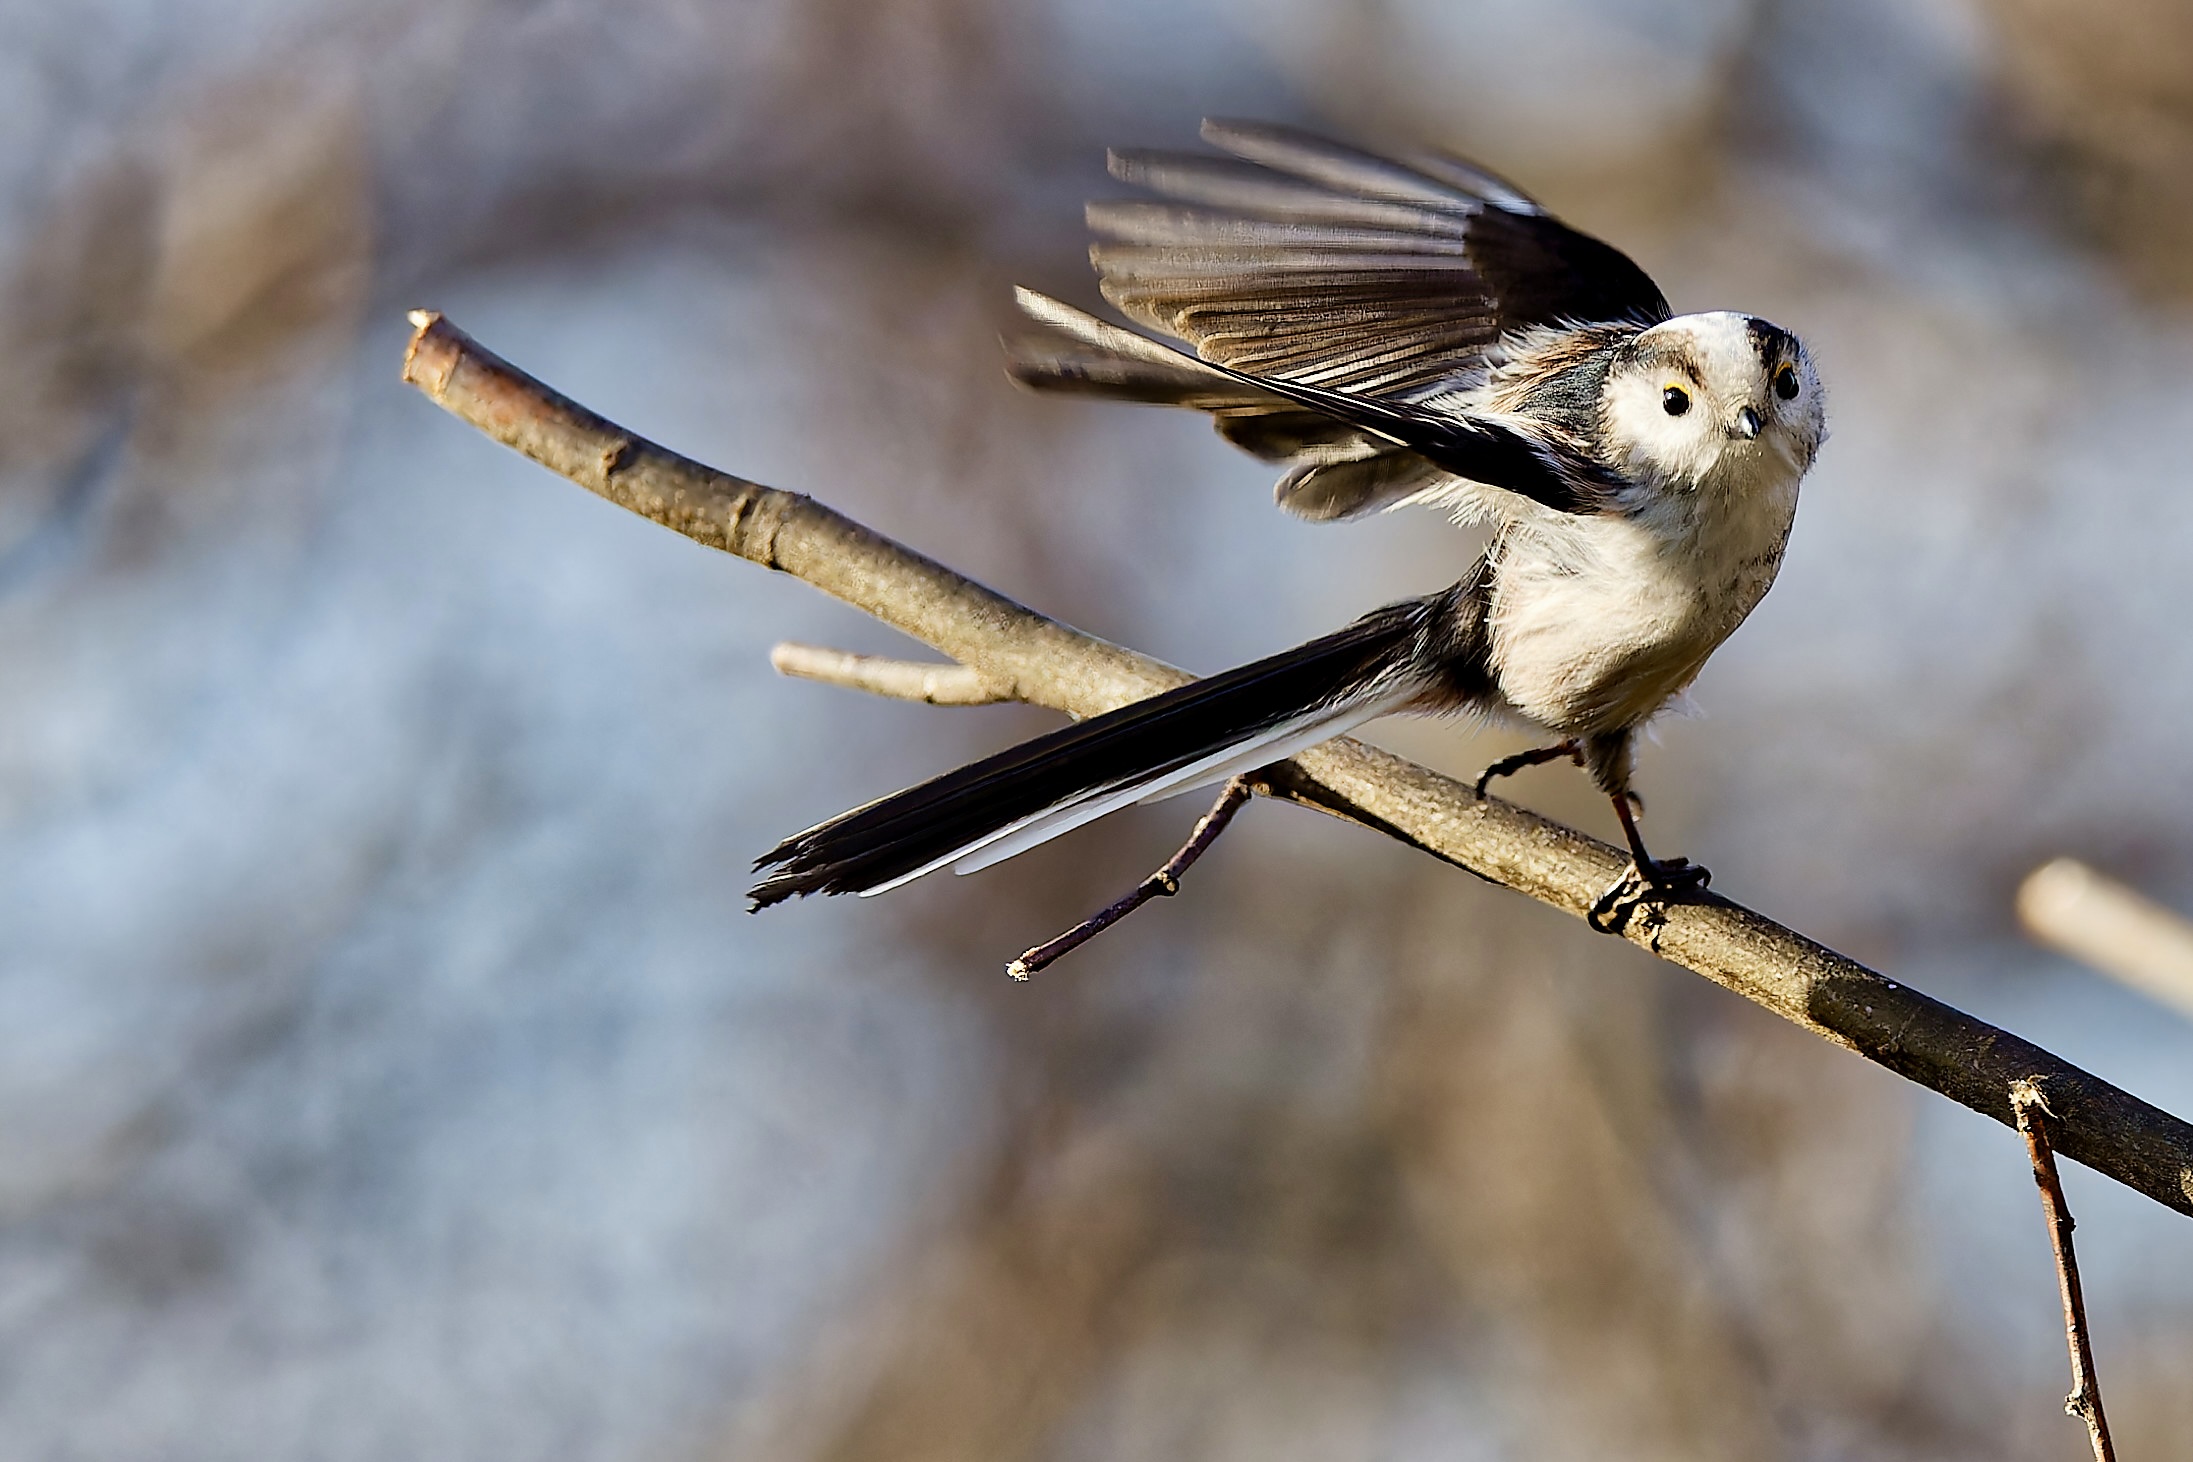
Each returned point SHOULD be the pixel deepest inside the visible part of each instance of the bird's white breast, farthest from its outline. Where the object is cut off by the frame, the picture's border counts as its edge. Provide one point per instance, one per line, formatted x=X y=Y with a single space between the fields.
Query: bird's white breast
x=1597 y=621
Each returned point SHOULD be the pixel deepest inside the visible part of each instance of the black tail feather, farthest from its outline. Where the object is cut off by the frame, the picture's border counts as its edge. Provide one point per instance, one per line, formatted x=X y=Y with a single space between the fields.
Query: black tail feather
x=1139 y=743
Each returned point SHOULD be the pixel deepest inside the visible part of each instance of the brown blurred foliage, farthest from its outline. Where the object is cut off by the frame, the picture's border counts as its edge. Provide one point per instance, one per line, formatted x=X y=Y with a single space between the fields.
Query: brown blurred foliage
x=2103 y=93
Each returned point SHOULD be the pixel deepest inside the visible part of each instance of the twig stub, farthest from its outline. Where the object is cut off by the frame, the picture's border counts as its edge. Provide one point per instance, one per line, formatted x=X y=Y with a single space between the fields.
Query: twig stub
x=904 y=680
x=2116 y=929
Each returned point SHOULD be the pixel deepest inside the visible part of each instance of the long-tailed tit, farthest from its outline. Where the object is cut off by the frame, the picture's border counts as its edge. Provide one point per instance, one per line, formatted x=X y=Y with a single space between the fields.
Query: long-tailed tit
x=1400 y=332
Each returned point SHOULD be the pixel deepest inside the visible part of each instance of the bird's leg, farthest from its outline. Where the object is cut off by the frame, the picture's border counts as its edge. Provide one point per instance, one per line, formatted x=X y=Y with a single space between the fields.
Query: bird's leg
x=1165 y=882
x=1508 y=766
x=1646 y=880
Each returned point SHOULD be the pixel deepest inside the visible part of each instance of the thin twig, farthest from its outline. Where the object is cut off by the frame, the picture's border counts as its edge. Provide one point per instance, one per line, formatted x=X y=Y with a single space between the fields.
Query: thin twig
x=904 y=680
x=1052 y=664
x=2085 y=1400
x=1162 y=884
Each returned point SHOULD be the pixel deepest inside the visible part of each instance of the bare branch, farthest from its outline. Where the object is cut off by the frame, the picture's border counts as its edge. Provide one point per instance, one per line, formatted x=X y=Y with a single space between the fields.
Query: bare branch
x=1052 y=664
x=2085 y=1400
x=902 y=680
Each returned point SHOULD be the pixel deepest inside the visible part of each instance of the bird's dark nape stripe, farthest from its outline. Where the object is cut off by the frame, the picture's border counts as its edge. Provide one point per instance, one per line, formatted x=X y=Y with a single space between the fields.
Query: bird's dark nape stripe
x=873 y=845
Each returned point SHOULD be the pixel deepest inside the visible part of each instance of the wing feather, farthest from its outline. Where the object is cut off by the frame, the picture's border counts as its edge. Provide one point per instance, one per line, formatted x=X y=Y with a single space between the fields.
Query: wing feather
x=1331 y=165
x=1303 y=257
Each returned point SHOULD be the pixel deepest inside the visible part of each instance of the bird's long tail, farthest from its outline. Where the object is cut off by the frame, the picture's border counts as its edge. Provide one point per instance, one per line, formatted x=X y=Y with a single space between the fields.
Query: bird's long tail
x=1192 y=737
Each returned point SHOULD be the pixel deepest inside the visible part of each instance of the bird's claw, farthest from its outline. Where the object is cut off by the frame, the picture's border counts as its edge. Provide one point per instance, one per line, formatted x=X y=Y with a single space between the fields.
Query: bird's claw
x=1656 y=881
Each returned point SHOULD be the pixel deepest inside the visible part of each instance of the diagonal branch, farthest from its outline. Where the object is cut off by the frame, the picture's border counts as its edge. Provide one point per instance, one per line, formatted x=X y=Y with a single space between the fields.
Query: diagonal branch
x=1051 y=664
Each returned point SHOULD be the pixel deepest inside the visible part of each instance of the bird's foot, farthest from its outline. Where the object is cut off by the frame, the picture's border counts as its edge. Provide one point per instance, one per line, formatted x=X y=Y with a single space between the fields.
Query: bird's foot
x=1656 y=881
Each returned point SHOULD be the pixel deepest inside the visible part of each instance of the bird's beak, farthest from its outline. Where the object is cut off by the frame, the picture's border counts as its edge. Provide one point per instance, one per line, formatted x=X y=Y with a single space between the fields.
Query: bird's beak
x=1746 y=425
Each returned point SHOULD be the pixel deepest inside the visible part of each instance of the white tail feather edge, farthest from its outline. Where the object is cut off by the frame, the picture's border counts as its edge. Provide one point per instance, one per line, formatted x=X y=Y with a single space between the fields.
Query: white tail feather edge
x=1087 y=329
x=1276 y=744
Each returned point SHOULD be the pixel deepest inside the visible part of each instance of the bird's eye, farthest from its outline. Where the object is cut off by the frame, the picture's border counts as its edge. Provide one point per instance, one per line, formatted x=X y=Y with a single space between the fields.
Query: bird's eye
x=1675 y=400
x=1785 y=383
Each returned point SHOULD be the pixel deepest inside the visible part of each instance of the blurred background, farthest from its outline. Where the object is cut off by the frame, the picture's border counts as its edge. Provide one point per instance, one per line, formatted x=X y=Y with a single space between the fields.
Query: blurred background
x=388 y=1067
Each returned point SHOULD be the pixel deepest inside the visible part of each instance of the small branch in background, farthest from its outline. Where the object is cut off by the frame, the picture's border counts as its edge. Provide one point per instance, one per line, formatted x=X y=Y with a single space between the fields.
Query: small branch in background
x=2100 y=922
x=2085 y=1400
x=1163 y=883
x=1055 y=665
x=902 y=680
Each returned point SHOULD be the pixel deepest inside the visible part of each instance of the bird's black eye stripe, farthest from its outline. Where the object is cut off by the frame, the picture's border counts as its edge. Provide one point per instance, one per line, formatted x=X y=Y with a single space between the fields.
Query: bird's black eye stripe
x=1675 y=400
x=1785 y=383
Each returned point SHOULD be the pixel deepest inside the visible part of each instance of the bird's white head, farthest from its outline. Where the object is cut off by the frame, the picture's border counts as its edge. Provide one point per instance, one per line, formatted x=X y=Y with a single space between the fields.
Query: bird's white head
x=1716 y=397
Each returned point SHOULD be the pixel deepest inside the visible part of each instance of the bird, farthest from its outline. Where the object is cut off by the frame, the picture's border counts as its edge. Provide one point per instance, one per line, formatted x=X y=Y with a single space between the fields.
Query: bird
x=1396 y=331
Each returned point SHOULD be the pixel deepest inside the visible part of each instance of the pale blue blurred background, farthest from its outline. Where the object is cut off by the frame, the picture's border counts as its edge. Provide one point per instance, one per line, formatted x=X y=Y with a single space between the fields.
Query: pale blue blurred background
x=387 y=1067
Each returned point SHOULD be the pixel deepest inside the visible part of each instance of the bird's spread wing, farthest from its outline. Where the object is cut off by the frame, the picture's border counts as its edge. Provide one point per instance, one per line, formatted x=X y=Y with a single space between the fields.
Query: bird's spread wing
x=1356 y=450
x=1301 y=259
x=1325 y=296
